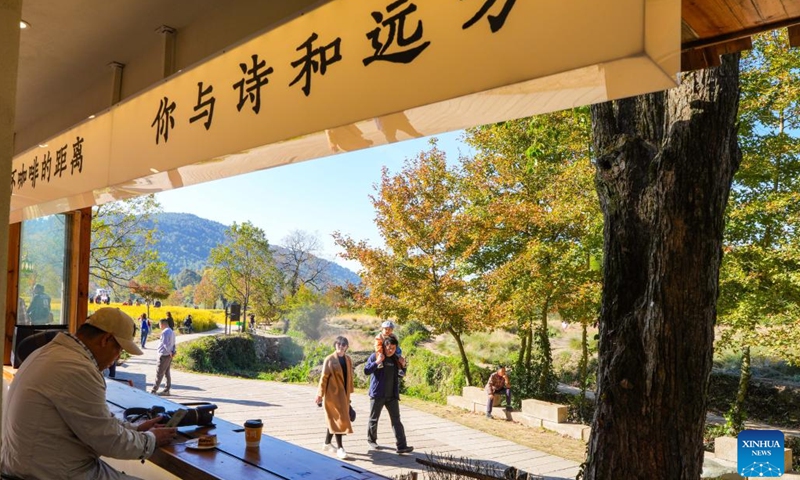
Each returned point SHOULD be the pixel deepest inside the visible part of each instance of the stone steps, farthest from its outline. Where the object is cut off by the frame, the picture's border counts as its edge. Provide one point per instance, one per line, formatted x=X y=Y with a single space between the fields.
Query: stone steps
x=534 y=413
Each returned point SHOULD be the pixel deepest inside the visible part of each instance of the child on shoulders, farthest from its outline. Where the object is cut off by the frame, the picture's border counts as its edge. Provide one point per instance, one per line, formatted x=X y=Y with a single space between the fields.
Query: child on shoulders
x=387 y=330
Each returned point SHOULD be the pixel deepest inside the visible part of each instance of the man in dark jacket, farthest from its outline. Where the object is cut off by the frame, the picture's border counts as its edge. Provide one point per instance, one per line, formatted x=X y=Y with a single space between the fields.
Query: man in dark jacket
x=39 y=309
x=384 y=391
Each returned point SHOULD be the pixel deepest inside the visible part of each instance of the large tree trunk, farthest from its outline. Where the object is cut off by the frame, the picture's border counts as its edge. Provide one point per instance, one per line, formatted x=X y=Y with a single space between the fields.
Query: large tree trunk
x=665 y=163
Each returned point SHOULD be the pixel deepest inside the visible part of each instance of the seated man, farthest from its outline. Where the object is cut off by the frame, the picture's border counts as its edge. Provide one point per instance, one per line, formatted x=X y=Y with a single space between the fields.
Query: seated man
x=187 y=324
x=498 y=384
x=56 y=423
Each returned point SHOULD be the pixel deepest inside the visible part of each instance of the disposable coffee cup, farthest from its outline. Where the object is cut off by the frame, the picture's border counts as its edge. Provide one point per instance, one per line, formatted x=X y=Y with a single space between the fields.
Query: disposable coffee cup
x=252 y=432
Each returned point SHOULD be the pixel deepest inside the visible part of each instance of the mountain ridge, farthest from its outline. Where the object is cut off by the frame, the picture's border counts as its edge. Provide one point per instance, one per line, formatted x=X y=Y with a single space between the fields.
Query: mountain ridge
x=184 y=241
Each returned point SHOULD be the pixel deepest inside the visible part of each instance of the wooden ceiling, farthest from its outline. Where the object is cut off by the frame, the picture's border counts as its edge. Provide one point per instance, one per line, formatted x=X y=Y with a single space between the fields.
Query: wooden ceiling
x=711 y=28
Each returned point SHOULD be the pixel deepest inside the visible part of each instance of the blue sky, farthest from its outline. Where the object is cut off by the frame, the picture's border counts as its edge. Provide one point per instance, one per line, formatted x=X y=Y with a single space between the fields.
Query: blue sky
x=317 y=196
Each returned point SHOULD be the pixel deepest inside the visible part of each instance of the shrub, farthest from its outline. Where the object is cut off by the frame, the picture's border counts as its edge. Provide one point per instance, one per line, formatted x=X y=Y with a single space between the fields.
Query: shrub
x=233 y=354
x=433 y=377
x=415 y=328
x=313 y=354
x=307 y=319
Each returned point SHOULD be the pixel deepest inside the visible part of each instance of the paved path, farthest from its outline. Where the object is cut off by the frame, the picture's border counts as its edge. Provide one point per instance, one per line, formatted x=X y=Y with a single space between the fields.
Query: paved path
x=289 y=413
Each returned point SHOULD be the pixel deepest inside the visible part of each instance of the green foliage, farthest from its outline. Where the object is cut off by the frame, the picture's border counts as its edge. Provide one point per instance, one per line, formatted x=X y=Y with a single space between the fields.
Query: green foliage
x=122 y=240
x=414 y=328
x=567 y=367
x=313 y=354
x=777 y=405
x=536 y=380
x=532 y=213
x=433 y=377
x=306 y=310
x=186 y=278
x=228 y=354
x=245 y=270
x=153 y=282
x=759 y=285
x=418 y=274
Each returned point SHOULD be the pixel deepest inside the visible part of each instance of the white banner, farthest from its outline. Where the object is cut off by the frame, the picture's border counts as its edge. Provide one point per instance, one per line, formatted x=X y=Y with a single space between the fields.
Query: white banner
x=315 y=78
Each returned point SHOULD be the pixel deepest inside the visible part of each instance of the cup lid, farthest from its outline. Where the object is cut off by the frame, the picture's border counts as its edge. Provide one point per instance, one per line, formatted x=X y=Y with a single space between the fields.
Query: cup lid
x=253 y=423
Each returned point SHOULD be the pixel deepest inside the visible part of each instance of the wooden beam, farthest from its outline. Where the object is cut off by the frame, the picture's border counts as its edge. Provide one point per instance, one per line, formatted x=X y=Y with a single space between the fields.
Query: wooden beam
x=734 y=46
x=736 y=35
x=81 y=244
x=12 y=289
x=794 y=36
x=699 y=59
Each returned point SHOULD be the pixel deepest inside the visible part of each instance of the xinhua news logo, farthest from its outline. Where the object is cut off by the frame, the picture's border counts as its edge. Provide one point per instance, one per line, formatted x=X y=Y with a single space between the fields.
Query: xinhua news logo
x=760 y=453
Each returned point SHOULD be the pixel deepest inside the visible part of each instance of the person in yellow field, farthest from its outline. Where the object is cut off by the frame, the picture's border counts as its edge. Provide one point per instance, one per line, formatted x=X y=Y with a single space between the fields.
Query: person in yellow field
x=335 y=387
x=498 y=383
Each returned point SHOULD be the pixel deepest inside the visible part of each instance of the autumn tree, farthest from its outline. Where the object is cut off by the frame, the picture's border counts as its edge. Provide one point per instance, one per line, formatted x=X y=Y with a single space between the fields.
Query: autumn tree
x=417 y=274
x=244 y=267
x=534 y=220
x=152 y=283
x=122 y=243
x=759 y=287
x=300 y=263
x=207 y=292
x=664 y=166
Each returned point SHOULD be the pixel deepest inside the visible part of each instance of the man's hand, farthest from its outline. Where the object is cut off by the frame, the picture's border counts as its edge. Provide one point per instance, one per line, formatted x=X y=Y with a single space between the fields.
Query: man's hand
x=402 y=362
x=318 y=399
x=379 y=357
x=164 y=435
x=148 y=424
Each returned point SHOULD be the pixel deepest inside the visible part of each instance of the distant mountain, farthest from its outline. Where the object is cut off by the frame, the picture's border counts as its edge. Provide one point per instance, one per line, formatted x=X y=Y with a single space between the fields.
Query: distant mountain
x=185 y=241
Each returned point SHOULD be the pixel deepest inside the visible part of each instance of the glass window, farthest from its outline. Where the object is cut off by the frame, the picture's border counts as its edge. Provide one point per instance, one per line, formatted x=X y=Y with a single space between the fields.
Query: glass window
x=43 y=266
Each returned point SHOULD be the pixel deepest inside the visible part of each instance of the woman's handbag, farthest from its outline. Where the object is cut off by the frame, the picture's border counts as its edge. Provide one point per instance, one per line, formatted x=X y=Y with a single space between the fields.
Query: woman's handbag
x=352 y=414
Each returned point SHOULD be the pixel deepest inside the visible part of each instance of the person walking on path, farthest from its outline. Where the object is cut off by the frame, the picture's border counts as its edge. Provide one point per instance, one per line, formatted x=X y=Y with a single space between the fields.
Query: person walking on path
x=498 y=383
x=166 y=350
x=144 y=328
x=384 y=391
x=335 y=387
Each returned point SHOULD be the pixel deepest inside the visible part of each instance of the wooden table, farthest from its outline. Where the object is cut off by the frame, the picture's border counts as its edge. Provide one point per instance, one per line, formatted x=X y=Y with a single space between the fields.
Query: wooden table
x=275 y=459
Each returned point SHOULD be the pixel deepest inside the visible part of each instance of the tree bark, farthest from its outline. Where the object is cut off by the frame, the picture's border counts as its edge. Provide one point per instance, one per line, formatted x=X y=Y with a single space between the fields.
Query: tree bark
x=543 y=342
x=464 y=359
x=737 y=413
x=664 y=166
x=583 y=373
x=523 y=335
x=529 y=351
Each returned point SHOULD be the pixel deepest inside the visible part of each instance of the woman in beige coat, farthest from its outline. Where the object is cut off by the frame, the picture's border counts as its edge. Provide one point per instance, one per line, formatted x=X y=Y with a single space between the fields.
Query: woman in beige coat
x=335 y=387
